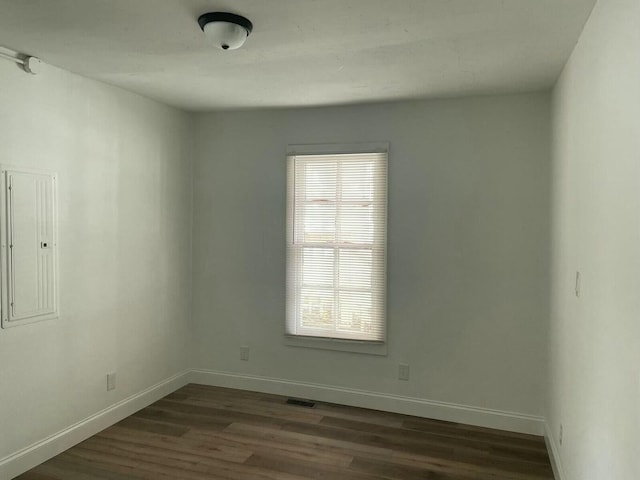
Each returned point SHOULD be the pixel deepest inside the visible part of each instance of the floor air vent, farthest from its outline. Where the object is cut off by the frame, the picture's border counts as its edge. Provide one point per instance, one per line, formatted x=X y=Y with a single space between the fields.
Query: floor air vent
x=301 y=403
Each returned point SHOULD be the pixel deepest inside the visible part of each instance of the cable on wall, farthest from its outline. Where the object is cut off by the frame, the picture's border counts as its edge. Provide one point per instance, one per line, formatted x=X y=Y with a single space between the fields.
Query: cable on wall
x=30 y=64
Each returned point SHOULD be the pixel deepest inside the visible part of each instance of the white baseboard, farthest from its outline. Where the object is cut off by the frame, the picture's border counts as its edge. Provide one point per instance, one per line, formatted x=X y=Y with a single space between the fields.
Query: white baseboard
x=33 y=455
x=483 y=417
x=554 y=454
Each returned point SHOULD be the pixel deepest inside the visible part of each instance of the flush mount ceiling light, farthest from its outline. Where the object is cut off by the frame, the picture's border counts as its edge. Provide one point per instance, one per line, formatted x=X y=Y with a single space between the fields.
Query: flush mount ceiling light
x=225 y=30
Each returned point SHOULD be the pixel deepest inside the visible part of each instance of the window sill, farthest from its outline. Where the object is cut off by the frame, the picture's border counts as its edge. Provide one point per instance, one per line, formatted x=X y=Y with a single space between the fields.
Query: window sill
x=352 y=346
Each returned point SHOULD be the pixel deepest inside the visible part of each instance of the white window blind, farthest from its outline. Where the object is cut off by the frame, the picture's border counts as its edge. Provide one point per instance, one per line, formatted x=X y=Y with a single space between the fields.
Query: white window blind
x=336 y=246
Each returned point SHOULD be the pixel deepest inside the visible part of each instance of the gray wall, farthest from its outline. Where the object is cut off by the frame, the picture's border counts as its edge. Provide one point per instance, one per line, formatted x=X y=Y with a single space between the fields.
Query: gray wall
x=124 y=194
x=595 y=339
x=468 y=247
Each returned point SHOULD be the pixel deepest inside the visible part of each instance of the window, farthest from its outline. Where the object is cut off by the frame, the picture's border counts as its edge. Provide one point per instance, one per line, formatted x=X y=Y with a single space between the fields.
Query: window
x=336 y=243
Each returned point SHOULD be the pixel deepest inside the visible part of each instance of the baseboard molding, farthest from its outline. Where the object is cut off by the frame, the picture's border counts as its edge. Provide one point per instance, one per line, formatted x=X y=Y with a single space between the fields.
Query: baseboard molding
x=33 y=455
x=483 y=417
x=554 y=454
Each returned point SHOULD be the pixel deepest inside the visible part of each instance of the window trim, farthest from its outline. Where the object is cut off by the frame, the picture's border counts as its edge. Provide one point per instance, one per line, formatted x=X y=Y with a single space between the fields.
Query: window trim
x=346 y=345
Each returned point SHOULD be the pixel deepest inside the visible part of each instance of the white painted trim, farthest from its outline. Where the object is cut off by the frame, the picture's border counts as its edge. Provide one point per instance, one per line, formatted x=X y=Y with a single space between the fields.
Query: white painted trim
x=554 y=453
x=336 y=344
x=484 y=417
x=337 y=148
x=33 y=455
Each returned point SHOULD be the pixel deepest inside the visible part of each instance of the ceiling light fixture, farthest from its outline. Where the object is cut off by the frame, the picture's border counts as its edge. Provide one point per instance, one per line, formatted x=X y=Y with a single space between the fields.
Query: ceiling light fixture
x=225 y=30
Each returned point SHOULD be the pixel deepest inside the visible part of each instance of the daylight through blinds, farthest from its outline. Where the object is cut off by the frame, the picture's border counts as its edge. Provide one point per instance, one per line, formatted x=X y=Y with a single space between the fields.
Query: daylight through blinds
x=336 y=229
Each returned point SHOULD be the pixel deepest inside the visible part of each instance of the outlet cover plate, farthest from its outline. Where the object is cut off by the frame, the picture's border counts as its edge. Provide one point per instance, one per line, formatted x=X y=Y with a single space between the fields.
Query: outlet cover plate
x=403 y=371
x=111 y=381
x=244 y=353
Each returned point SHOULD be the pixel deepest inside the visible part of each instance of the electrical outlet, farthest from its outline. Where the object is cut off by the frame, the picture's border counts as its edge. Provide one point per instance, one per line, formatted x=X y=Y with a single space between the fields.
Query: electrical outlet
x=560 y=435
x=111 y=381
x=403 y=371
x=244 y=353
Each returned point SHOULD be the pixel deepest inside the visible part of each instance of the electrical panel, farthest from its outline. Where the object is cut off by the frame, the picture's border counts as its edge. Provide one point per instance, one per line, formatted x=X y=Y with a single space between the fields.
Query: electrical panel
x=29 y=259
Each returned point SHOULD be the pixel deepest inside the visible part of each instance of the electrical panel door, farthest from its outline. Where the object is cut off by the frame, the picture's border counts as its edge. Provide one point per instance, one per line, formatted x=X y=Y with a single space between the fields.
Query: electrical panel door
x=29 y=247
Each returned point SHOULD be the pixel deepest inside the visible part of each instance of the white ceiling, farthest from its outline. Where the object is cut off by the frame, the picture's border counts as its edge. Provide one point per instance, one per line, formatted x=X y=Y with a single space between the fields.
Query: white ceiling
x=303 y=52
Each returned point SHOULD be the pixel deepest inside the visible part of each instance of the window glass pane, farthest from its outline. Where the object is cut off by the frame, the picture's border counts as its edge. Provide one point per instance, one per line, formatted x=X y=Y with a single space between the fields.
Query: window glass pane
x=355 y=312
x=355 y=268
x=356 y=224
x=317 y=267
x=316 y=308
x=320 y=180
x=319 y=223
x=357 y=181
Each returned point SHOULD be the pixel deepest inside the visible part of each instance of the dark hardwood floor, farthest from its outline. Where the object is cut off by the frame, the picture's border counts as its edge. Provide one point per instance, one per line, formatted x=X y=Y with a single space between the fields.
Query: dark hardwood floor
x=204 y=432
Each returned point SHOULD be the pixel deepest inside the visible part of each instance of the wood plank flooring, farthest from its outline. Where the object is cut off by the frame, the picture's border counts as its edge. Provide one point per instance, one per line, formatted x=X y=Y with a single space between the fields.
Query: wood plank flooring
x=201 y=432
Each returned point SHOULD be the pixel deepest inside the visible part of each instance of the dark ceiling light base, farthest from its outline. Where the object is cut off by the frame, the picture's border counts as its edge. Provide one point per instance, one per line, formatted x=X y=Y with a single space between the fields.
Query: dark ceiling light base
x=225 y=17
x=227 y=31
